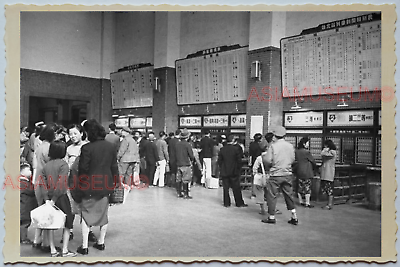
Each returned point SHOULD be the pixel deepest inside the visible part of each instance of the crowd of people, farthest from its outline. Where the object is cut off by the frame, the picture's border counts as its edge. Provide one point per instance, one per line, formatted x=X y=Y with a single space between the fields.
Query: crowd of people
x=91 y=162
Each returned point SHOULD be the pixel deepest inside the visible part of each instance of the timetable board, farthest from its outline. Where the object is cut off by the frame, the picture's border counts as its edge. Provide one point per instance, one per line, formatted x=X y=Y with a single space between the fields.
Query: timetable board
x=132 y=88
x=218 y=77
x=336 y=57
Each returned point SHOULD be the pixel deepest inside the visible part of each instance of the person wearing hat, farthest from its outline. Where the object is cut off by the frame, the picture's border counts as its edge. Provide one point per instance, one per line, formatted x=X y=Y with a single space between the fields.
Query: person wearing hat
x=184 y=158
x=230 y=163
x=279 y=159
x=128 y=157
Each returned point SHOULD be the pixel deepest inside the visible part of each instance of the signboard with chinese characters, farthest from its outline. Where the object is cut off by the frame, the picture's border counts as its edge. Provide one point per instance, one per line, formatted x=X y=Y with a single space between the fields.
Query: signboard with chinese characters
x=304 y=119
x=351 y=118
x=190 y=121
x=238 y=120
x=336 y=57
x=137 y=123
x=216 y=121
x=121 y=122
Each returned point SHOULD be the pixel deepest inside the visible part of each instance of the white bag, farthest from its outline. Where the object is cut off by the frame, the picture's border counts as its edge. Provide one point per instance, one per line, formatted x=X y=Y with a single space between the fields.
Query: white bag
x=212 y=183
x=47 y=216
x=260 y=179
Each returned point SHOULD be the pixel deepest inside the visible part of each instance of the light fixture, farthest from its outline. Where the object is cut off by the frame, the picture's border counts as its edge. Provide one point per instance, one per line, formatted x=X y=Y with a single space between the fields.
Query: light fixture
x=342 y=103
x=115 y=116
x=157 y=86
x=207 y=110
x=296 y=105
x=183 y=110
x=256 y=69
x=236 y=108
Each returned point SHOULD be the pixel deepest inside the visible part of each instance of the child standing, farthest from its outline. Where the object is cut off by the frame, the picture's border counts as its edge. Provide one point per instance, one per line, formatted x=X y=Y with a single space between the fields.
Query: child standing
x=27 y=202
x=55 y=174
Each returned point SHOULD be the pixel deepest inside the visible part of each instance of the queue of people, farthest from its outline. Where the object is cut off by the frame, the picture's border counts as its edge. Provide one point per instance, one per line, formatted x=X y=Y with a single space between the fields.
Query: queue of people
x=180 y=160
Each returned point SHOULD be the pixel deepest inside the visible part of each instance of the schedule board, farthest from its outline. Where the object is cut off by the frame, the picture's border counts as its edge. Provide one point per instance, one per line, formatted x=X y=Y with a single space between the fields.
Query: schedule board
x=336 y=57
x=132 y=88
x=217 y=77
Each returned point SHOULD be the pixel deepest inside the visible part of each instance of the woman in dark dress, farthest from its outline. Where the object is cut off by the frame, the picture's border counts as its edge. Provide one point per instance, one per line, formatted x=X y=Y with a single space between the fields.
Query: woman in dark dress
x=98 y=175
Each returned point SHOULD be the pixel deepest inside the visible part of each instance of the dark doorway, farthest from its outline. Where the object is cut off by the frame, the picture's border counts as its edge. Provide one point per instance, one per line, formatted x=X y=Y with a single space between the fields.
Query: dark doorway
x=61 y=111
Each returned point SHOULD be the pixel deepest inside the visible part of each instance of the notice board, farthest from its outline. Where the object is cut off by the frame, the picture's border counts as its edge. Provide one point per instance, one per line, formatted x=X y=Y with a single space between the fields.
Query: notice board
x=336 y=57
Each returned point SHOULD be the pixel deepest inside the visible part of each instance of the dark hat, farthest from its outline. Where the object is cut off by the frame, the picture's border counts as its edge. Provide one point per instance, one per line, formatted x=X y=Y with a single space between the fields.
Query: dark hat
x=279 y=131
x=126 y=129
x=184 y=133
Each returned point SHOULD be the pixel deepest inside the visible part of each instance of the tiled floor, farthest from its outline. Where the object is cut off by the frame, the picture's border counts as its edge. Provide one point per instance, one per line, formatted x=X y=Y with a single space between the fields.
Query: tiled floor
x=155 y=223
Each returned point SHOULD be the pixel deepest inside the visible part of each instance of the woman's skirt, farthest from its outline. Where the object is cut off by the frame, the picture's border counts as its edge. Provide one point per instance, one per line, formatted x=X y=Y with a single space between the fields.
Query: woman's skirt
x=95 y=211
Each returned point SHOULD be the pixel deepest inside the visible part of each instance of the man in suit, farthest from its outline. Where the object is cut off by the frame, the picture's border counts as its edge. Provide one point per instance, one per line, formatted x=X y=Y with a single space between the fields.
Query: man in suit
x=206 y=146
x=230 y=162
x=112 y=137
x=151 y=156
x=172 y=158
x=128 y=158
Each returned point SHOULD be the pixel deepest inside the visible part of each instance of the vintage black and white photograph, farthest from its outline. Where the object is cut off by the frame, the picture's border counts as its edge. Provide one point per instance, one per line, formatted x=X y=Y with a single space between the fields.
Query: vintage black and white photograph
x=201 y=134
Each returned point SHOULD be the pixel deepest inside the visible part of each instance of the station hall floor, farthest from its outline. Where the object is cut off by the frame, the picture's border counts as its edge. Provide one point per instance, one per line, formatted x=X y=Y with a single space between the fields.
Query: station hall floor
x=153 y=222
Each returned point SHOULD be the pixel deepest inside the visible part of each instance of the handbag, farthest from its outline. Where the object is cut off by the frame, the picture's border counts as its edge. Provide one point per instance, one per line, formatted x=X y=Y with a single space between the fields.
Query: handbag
x=47 y=216
x=261 y=178
x=117 y=196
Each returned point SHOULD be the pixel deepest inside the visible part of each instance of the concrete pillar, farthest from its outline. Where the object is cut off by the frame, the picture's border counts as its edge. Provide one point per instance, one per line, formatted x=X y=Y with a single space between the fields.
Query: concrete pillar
x=167 y=39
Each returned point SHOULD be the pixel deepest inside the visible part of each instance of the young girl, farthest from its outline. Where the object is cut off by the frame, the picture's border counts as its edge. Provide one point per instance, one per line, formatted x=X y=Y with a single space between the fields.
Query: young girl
x=56 y=193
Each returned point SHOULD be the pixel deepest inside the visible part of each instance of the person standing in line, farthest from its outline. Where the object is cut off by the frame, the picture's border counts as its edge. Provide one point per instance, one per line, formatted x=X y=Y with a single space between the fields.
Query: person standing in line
x=184 y=159
x=152 y=158
x=279 y=159
x=98 y=176
x=214 y=161
x=128 y=158
x=196 y=168
x=230 y=162
x=304 y=169
x=254 y=151
x=206 y=146
x=112 y=137
x=162 y=149
x=172 y=157
x=329 y=155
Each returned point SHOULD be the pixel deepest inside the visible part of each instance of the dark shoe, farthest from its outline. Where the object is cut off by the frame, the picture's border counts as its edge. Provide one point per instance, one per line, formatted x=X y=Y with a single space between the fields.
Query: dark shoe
x=309 y=206
x=37 y=246
x=186 y=191
x=327 y=207
x=99 y=246
x=26 y=242
x=303 y=204
x=187 y=197
x=278 y=212
x=227 y=206
x=83 y=251
x=294 y=221
x=92 y=237
x=242 y=206
x=269 y=220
